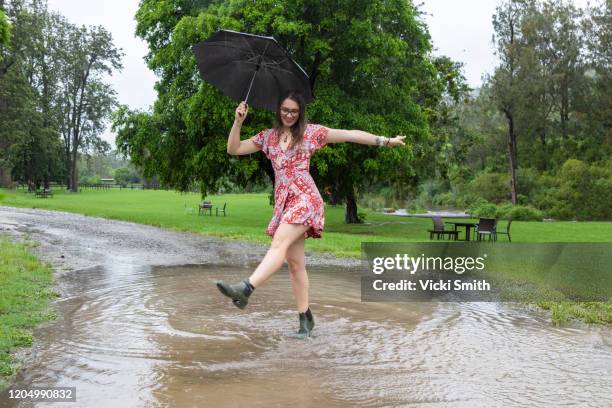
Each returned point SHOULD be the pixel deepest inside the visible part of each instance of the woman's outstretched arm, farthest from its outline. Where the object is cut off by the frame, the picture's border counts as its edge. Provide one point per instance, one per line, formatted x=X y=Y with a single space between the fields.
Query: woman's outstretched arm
x=361 y=137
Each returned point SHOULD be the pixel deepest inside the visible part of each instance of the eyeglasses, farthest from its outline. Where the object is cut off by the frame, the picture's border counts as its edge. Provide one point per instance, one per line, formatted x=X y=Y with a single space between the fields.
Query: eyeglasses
x=287 y=112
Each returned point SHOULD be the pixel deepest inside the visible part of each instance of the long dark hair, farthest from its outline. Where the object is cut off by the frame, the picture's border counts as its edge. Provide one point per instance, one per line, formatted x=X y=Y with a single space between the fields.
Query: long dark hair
x=299 y=127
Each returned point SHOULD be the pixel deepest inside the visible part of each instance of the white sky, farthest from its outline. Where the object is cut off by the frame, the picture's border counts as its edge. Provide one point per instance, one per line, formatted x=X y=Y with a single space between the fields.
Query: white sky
x=460 y=29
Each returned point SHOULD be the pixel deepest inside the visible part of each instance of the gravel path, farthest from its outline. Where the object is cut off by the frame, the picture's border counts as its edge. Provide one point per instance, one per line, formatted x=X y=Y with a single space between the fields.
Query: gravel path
x=71 y=241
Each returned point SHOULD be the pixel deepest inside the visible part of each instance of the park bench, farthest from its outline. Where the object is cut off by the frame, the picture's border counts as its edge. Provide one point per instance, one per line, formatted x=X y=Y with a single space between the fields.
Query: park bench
x=43 y=194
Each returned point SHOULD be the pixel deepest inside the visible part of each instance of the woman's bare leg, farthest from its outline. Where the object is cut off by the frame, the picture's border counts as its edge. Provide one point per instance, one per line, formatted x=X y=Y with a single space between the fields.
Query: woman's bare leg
x=297 y=272
x=284 y=236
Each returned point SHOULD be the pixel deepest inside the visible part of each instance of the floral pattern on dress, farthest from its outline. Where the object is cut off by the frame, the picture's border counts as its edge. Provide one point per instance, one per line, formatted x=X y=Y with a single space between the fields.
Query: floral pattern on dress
x=296 y=197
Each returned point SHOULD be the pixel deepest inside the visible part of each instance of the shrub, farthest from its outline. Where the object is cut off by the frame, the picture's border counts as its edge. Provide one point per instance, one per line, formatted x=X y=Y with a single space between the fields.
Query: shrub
x=584 y=192
x=90 y=180
x=528 y=181
x=361 y=216
x=519 y=213
x=493 y=187
x=444 y=199
x=372 y=201
x=483 y=208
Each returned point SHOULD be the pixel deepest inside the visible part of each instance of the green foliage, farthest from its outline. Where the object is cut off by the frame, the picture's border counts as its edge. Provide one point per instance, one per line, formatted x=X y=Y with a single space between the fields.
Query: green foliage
x=549 y=97
x=492 y=187
x=518 y=213
x=54 y=99
x=583 y=192
x=95 y=179
x=5 y=31
x=507 y=211
x=483 y=208
x=122 y=175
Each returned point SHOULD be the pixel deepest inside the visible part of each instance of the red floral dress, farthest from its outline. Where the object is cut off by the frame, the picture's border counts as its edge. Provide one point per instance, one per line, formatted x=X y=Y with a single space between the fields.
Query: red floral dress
x=296 y=197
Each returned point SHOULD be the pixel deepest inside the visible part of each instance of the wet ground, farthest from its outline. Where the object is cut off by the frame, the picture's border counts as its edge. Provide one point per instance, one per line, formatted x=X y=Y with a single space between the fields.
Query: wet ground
x=142 y=324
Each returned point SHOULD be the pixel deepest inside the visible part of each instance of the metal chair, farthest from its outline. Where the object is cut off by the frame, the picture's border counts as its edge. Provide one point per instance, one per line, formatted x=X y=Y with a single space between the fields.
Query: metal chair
x=486 y=226
x=187 y=209
x=438 y=229
x=221 y=209
x=506 y=232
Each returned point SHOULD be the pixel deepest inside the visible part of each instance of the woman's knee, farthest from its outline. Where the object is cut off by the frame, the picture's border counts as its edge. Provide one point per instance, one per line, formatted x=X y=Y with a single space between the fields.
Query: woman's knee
x=298 y=274
x=286 y=234
x=296 y=265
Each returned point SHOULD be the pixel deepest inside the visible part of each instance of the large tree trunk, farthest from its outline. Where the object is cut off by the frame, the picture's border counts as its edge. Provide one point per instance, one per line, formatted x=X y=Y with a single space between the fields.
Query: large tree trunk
x=564 y=109
x=512 y=156
x=74 y=188
x=350 y=213
x=5 y=178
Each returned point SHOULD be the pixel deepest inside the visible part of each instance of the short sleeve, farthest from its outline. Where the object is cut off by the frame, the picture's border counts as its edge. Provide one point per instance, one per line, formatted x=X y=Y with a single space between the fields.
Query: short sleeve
x=318 y=136
x=258 y=139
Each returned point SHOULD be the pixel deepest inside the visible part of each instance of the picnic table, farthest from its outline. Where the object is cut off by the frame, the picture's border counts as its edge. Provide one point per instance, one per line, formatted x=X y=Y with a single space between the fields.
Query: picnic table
x=205 y=206
x=467 y=225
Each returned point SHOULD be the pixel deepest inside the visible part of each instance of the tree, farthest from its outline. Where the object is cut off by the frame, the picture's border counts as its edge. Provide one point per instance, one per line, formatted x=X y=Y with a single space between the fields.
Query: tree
x=593 y=104
x=29 y=132
x=51 y=83
x=505 y=81
x=87 y=101
x=369 y=69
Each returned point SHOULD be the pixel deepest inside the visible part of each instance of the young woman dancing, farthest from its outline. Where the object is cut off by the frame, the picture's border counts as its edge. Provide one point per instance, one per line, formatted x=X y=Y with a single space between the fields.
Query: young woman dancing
x=298 y=206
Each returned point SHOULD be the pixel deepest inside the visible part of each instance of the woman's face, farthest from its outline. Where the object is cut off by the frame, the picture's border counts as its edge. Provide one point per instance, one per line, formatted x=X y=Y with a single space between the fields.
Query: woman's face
x=289 y=112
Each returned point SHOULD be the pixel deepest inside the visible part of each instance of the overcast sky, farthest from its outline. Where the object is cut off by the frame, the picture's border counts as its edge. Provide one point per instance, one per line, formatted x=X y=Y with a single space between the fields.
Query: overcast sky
x=461 y=30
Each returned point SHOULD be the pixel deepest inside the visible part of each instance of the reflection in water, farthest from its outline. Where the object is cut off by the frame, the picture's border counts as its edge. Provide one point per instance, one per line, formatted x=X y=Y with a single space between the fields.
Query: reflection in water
x=139 y=336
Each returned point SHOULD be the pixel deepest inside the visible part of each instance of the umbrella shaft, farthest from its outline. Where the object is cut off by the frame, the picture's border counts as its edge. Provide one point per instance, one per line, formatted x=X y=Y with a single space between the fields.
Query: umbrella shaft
x=255 y=73
x=251 y=85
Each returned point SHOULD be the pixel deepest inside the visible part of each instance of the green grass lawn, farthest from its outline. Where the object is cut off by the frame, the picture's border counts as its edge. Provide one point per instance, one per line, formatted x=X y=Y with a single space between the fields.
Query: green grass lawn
x=25 y=291
x=249 y=214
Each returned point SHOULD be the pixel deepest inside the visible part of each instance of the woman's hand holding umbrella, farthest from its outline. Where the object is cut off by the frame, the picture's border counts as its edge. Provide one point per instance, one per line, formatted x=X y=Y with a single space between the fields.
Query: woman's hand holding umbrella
x=241 y=112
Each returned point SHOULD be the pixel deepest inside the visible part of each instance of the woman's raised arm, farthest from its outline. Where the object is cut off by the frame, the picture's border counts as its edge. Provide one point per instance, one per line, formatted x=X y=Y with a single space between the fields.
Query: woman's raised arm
x=234 y=145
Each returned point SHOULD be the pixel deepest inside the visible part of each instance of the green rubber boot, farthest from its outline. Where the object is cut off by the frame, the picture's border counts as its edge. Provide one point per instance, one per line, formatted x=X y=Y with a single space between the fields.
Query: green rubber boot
x=239 y=293
x=306 y=324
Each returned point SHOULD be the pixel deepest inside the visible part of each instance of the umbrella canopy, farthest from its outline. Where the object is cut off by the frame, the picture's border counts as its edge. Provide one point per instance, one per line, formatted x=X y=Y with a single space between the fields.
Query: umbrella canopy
x=250 y=68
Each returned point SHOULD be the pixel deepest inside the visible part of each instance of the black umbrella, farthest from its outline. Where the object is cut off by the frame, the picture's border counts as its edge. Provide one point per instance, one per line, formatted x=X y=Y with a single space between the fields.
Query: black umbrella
x=250 y=68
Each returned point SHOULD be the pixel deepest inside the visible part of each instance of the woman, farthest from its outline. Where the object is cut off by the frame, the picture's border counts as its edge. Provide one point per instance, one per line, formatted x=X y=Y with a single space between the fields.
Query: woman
x=298 y=208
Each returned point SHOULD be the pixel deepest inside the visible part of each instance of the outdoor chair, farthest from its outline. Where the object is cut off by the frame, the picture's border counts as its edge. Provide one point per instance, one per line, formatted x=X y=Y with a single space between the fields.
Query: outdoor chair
x=506 y=232
x=438 y=229
x=486 y=226
x=221 y=209
x=204 y=207
x=188 y=209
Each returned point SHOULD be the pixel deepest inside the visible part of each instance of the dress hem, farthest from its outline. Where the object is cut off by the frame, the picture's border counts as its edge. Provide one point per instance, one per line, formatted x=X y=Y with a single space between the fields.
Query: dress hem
x=312 y=232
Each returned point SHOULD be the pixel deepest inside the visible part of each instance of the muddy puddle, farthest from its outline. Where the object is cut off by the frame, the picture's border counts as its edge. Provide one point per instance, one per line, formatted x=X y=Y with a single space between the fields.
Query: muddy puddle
x=130 y=335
